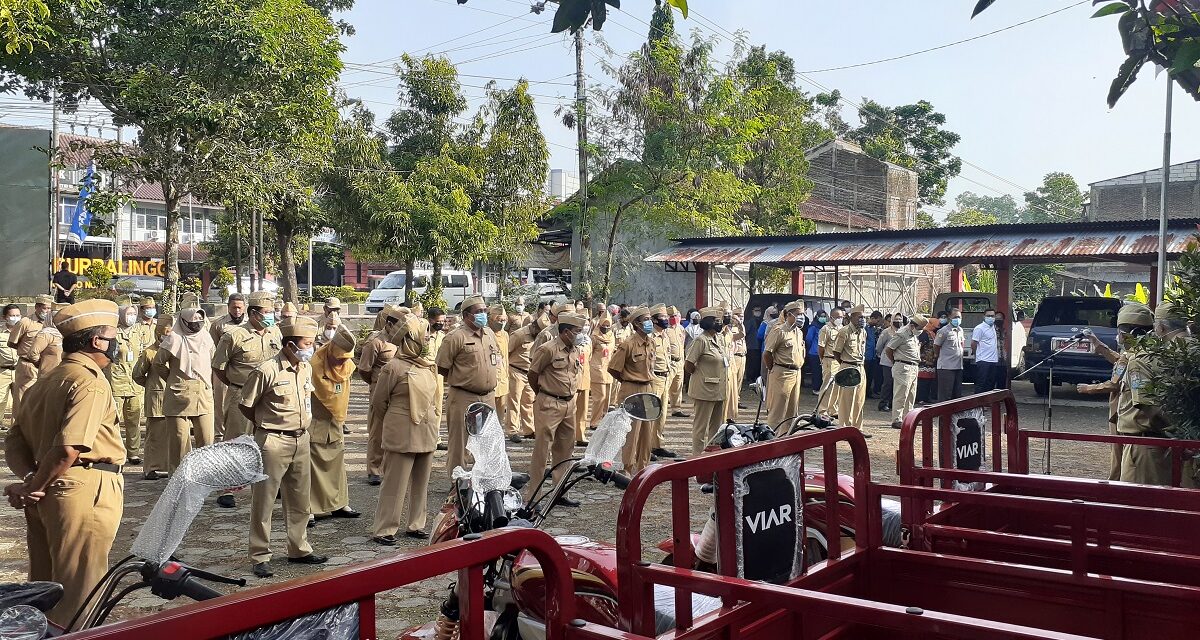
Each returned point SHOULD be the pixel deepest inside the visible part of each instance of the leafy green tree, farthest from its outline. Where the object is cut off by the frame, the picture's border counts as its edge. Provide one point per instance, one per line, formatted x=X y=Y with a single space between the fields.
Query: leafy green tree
x=925 y=220
x=24 y=24
x=912 y=136
x=1002 y=208
x=969 y=218
x=1057 y=199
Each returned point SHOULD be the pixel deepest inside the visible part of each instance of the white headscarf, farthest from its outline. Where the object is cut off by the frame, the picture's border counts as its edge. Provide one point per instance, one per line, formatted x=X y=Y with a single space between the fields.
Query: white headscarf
x=194 y=351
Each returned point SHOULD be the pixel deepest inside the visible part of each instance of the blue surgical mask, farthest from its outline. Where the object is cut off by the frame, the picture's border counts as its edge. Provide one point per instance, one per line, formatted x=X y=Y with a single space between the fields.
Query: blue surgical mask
x=150 y=313
x=481 y=319
x=268 y=319
x=822 y=319
x=954 y=322
x=941 y=322
x=647 y=326
x=304 y=355
x=989 y=319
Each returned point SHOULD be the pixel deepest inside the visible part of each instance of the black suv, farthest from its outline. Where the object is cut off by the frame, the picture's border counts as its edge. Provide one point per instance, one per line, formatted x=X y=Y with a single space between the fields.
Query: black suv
x=1058 y=320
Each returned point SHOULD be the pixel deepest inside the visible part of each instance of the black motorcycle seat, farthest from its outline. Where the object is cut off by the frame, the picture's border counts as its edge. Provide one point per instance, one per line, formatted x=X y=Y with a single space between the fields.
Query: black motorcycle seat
x=519 y=480
x=40 y=595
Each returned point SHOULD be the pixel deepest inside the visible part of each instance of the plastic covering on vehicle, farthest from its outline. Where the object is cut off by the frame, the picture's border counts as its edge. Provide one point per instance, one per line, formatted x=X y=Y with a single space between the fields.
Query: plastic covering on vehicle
x=338 y=623
x=491 y=470
x=891 y=522
x=664 y=607
x=966 y=431
x=608 y=438
x=233 y=463
x=768 y=519
x=22 y=622
x=39 y=595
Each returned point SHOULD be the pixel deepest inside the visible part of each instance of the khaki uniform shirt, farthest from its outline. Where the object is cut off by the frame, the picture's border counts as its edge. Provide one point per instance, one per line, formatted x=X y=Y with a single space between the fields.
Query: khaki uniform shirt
x=557 y=367
x=786 y=347
x=376 y=353
x=710 y=356
x=21 y=336
x=8 y=355
x=184 y=396
x=520 y=347
x=602 y=353
x=70 y=406
x=221 y=326
x=242 y=350
x=280 y=394
x=131 y=343
x=502 y=370
x=851 y=345
x=399 y=382
x=675 y=336
x=434 y=341
x=826 y=338
x=471 y=359
x=905 y=346
x=621 y=333
x=633 y=361
x=735 y=337
x=152 y=377
x=585 y=367
x=46 y=351
x=1136 y=412
x=663 y=351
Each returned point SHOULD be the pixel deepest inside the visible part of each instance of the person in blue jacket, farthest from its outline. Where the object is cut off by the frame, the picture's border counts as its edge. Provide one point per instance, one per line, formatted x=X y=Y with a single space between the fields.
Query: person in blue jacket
x=813 y=361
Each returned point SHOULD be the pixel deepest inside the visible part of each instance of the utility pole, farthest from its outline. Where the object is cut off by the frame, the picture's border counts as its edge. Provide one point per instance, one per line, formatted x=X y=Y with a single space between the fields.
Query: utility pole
x=580 y=243
x=1163 y=279
x=262 y=257
x=118 y=233
x=53 y=184
x=237 y=249
x=253 y=250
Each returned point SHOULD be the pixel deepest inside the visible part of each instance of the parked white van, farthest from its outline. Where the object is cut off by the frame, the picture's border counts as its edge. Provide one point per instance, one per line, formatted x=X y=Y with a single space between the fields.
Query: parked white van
x=456 y=287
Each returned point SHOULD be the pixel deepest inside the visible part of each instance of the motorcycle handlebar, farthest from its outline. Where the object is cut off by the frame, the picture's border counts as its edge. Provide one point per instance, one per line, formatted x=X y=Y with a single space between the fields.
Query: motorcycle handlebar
x=620 y=481
x=196 y=590
x=605 y=473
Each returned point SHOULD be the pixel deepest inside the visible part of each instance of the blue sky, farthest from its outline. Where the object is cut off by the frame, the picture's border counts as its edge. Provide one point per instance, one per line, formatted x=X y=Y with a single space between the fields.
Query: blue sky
x=1026 y=101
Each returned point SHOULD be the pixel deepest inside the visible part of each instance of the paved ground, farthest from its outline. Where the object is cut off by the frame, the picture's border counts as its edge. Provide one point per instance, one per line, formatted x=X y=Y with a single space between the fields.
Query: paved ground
x=217 y=540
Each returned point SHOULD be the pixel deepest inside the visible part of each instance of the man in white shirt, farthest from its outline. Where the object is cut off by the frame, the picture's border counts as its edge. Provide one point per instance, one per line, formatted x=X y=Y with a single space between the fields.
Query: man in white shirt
x=987 y=353
x=948 y=345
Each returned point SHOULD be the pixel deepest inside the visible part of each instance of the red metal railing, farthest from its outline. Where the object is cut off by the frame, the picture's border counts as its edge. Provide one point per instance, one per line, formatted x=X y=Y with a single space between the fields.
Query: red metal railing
x=1019 y=454
x=256 y=608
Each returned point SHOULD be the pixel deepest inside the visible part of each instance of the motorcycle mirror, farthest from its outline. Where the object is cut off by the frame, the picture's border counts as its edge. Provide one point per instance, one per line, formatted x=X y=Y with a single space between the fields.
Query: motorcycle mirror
x=477 y=416
x=848 y=377
x=643 y=406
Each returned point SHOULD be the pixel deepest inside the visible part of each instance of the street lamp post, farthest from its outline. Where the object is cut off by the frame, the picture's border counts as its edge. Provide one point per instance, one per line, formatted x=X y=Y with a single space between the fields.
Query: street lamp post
x=1163 y=279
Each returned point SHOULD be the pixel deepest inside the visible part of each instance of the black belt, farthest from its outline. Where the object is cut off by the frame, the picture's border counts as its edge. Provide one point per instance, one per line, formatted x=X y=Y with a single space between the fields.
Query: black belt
x=908 y=362
x=563 y=398
x=524 y=371
x=290 y=434
x=466 y=390
x=674 y=359
x=99 y=466
x=233 y=384
x=663 y=374
x=853 y=364
x=9 y=368
x=787 y=366
x=739 y=355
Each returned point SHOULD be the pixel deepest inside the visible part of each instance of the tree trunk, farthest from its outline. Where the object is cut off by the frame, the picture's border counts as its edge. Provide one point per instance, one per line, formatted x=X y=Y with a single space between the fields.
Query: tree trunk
x=284 y=234
x=408 y=282
x=608 y=259
x=435 y=284
x=171 y=279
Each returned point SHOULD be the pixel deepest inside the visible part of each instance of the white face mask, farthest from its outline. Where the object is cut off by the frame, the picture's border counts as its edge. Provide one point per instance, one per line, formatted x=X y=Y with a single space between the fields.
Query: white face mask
x=837 y=322
x=329 y=333
x=41 y=314
x=12 y=320
x=130 y=318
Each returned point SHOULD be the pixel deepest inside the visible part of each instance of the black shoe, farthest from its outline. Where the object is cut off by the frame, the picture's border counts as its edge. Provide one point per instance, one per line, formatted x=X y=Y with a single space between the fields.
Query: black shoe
x=741 y=406
x=262 y=570
x=885 y=407
x=387 y=541
x=653 y=458
x=529 y=436
x=312 y=521
x=345 y=512
x=134 y=460
x=580 y=443
x=663 y=453
x=678 y=414
x=516 y=439
x=374 y=480
x=441 y=446
x=226 y=501
x=311 y=558
x=419 y=535
x=897 y=424
x=865 y=435
x=345 y=430
x=566 y=502
x=154 y=475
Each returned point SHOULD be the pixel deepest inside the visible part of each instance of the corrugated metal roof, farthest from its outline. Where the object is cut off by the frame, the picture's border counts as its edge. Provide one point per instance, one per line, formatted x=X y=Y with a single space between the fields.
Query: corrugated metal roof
x=1067 y=242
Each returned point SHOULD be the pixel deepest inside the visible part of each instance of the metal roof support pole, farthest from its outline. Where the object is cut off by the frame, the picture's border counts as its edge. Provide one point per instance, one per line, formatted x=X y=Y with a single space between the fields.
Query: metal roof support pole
x=836 y=285
x=1004 y=304
x=1158 y=274
x=956 y=279
x=1155 y=285
x=798 y=282
x=701 y=285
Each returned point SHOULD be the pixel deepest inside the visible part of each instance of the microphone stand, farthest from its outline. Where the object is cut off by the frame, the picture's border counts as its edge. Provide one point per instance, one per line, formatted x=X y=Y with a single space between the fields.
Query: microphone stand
x=1048 y=417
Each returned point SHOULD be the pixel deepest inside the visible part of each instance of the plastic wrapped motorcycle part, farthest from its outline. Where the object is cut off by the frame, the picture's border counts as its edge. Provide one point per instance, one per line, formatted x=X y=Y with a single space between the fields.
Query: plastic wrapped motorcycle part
x=768 y=517
x=233 y=463
x=664 y=607
x=706 y=548
x=608 y=438
x=39 y=595
x=891 y=522
x=491 y=471
x=337 y=623
x=22 y=622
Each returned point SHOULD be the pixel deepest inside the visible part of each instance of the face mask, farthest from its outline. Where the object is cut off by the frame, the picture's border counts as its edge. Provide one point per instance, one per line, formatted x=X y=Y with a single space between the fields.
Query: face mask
x=41 y=315
x=822 y=319
x=774 y=316
x=954 y=322
x=329 y=333
x=304 y=355
x=695 y=318
x=580 y=339
x=726 y=320
x=12 y=320
x=130 y=318
x=897 y=324
x=837 y=322
x=708 y=324
x=757 y=314
x=236 y=319
x=193 y=326
x=673 y=321
x=150 y=313
x=435 y=326
x=111 y=351
x=604 y=329
x=480 y=319
x=662 y=322
x=941 y=322
x=989 y=319
x=267 y=319
x=647 y=326
x=862 y=322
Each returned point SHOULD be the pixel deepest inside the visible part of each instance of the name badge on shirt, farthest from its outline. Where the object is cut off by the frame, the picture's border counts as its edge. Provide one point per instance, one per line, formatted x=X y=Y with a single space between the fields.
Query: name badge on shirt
x=495 y=358
x=128 y=356
x=337 y=388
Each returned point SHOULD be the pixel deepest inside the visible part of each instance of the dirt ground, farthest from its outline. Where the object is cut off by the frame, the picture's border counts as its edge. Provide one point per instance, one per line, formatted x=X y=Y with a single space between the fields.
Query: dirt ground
x=218 y=538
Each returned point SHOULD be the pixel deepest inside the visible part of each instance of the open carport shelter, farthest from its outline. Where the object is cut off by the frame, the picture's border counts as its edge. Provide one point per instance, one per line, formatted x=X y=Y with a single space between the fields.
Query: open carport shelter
x=996 y=247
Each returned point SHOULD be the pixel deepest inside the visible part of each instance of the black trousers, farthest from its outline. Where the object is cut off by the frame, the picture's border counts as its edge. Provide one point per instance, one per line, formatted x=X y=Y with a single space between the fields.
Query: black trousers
x=949 y=384
x=885 y=391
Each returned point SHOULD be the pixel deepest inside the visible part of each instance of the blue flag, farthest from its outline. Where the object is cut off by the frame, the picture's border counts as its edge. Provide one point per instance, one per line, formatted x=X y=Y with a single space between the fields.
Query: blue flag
x=82 y=216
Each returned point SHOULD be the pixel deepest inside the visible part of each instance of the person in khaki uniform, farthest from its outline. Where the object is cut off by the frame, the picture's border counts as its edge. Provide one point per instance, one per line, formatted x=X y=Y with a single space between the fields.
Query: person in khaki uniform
x=234 y=318
x=498 y=323
x=377 y=351
x=1138 y=415
x=826 y=338
x=676 y=335
x=329 y=321
x=554 y=376
x=435 y=336
x=468 y=361
x=622 y=329
x=1133 y=321
x=404 y=397
x=707 y=365
x=332 y=369
x=549 y=330
x=519 y=416
x=65 y=445
x=602 y=380
x=850 y=351
x=583 y=387
x=632 y=365
x=21 y=337
x=783 y=355
x=153 y=379
x=665 y=359
x=8 y=355
x=241 y=349
x=188 y=403
x=735 y=337
x=904 y=349
x=132 y=340
x=277 y=400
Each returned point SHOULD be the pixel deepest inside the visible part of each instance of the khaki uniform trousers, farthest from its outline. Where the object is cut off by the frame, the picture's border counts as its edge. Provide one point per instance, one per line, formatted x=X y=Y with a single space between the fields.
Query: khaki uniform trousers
x=658 y=433
x=405 y=476
x=235 y=421
x=329 y=490
x=519 y=416
x=182 y=431
x=832 y=397
x=374 y=438
x=582 y=398
x=6 y=383
x=219 y=392
x=287 y=463
x=904 y=389
x=635 y=455
x=600 y=395
x=129 y=413
x=783 y=397
x=1116 y=456
x=71 y=531
x=24 y=376
x=457 y=401
x=675 y=387
x=614 y=394
x=554 y=423
x=851 y=399
x=158 y=442
x=708 y=416
x=1146 y=465
x=737 y=374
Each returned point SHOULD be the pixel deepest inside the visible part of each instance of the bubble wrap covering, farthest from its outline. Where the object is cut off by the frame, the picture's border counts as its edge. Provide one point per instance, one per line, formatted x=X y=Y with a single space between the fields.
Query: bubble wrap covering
x=608 y=438
x=338 y=623
x=234 y=463
x=22 y=622
x=491 y=470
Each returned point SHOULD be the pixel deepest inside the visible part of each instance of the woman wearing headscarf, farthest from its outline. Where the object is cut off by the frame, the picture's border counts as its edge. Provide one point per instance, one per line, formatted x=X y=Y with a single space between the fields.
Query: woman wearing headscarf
x=602 y=380
x=188 y=402
x=154 y=379
x=404 y=397
x=927 y=371
x=332 y=367
x=377 y=351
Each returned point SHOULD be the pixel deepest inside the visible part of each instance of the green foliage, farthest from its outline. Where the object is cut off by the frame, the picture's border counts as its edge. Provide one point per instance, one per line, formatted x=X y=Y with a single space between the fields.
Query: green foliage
x=224 y=277
x=98 y=274
x=1177 y=388
x=1057 y=199
x=1031 y=283
x=912 y=136
x=344 y=293
x=1002 y=208
x=24 y=24
x=925 y=220
x=969 y=218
